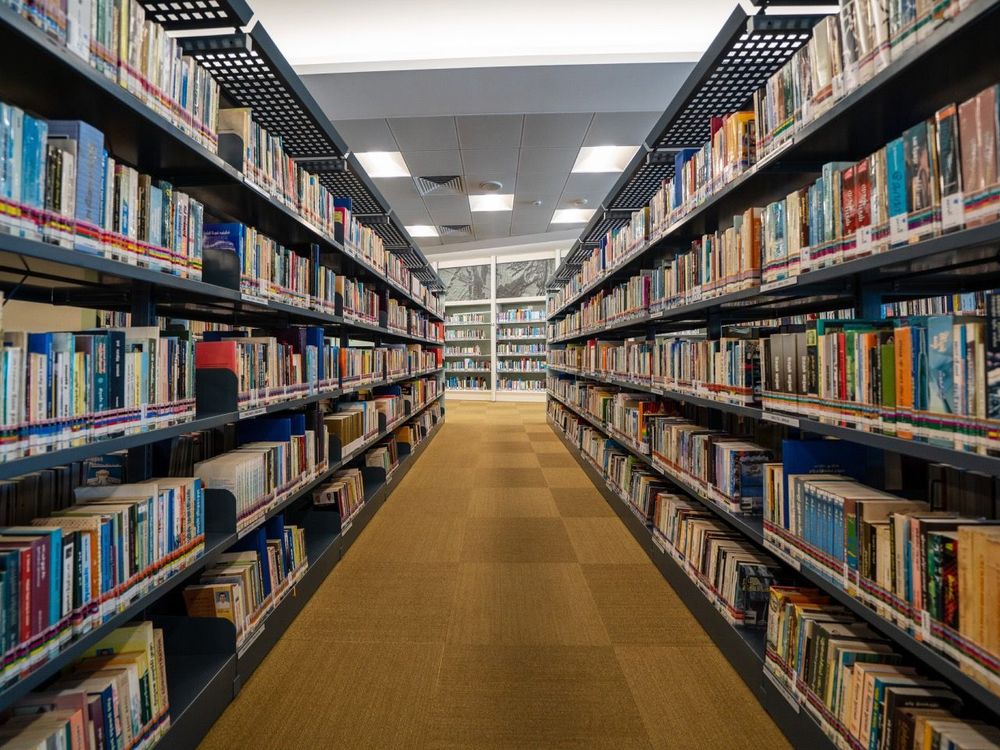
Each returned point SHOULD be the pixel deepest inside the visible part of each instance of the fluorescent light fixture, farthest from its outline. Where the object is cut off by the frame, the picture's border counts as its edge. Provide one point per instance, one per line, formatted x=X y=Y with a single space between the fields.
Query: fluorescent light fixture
x=422 y=230
x=492 y=202
x=603 y=158
x=383 y=163
x=572 y=215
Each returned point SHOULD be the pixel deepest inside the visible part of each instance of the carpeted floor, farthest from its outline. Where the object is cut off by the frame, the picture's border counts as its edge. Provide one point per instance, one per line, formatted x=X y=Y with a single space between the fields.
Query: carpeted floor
x=495 y=601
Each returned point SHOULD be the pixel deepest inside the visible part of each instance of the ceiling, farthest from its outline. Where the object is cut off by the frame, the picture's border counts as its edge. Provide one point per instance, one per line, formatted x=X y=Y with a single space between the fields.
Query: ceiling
x=531 y=155
x=402 y=34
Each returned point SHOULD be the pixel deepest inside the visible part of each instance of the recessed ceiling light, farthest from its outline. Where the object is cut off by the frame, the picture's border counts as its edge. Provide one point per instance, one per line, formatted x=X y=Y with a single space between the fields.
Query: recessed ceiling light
x=422 y=230
x=572 y=215
x=491 y=186
x=581 y=202
x=603 y=158
x=537 y=203
x=491 y=202
x=383 y=163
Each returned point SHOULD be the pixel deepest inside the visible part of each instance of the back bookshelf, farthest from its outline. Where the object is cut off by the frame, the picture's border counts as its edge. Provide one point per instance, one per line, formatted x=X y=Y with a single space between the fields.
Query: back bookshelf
x=278 y=323
x=469 y=349
x=520 y=349
x=772 y=351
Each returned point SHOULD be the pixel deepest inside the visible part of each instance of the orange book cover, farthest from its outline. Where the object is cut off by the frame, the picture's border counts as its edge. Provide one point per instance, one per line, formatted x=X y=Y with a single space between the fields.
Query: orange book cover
x=216 y=355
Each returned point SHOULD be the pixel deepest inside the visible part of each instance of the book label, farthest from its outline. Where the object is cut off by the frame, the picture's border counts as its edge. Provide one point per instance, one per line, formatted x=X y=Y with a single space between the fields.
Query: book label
x=255 y=299
x=898 y=229
x=346 y=527
x=771 y=285
x=863 y=245
x=249 y=413
x=770 y=416
x=952 y=211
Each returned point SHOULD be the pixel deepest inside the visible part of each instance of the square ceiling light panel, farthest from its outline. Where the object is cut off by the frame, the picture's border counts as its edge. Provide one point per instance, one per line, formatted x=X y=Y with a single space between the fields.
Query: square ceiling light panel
x=603 y=158
x=572 y=215
x=383 y=163
x=422 y=230
x=492 y=202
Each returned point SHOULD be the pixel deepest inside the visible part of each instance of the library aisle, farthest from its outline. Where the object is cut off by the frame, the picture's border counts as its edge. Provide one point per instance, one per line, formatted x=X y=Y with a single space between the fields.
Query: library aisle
x=495 y=601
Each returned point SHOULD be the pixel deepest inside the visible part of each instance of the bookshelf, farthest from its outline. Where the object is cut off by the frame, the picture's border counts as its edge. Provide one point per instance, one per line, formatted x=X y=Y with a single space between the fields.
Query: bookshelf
x=648 y=348
x=520 y=354
x=469 y=349
x=401 y=326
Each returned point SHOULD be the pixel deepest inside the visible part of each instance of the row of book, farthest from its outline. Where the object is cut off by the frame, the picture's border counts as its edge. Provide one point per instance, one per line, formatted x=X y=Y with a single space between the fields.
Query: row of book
x=856 y=684
x=520 y=315
x=467 y=365
x=924 y=565
x=58 y=183
x=72 y=570
x=354 y=422
x=730 y=572
x=503 y=349
x=114 y=696
x=464 y=351
x=466 y=334
x=467 y=383
x=517 y=384
x=514 y=333
x=274 y=458
x=470 y=319
x=520 y=365
x=247 y=582
x=929 y=180
x=138 y=54
x=65 y=387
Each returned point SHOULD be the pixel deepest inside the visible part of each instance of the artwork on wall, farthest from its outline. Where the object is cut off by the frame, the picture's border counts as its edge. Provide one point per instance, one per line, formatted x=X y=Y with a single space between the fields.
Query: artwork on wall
x=464 y=283
x=523 y=278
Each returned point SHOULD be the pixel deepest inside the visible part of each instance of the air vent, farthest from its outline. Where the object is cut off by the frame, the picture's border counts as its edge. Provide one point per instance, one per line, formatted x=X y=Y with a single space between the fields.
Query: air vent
x=440 y=185
x=455 y=230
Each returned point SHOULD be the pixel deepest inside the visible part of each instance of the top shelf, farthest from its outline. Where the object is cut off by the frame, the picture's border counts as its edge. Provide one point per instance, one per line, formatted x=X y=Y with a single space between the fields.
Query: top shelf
x=954 y=62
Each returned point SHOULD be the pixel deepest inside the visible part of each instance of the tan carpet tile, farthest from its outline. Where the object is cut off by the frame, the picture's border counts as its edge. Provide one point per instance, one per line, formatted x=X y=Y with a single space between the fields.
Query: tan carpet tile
x=511 y=502
x=409 y=539
x=714 y=708
x=498 y=540
x=354 y=695
x=566 y=477
x=533 y=697
x=638 y=606
x=581 y=502
x=603 y=540
x=492 y=477
x=525 y=604
x=489 y=460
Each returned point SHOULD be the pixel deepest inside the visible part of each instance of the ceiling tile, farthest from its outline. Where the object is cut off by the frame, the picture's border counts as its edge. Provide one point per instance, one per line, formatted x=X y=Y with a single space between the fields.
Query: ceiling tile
x=620 y=128
x=433 y=163
x=397 y=189
x=530 y=220
x=542 y=160
x=489 y=131
x=489 y=224
x=424 y=133
x=546 y=131
x=428 y=242
x=367 y=135
x=547 y=184
x=412 y=214
x=448 y=209
x=593 y=187
x=482 y=164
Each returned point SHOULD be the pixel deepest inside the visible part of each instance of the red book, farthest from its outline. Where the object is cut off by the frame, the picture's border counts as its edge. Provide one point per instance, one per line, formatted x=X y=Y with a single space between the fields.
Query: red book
x=862 y=195
x=847 y=202
x=216 y=355
x=714 y=125
x=842 y=366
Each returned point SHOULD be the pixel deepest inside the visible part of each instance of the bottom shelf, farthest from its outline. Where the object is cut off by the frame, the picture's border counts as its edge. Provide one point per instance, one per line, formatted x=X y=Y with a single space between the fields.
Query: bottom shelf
x=206 y=673
x=742 y=647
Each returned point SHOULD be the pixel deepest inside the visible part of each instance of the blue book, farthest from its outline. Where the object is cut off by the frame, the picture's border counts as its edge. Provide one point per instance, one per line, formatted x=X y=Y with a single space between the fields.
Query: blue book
x=898 y=195
x=89 y=166
x=264 y=430
x=257 y=542
x=33 y=148
x=298 y=421
x=680 y=159
x=825 y=457
x=230 y=237
x=155 y=216
x=940 y=370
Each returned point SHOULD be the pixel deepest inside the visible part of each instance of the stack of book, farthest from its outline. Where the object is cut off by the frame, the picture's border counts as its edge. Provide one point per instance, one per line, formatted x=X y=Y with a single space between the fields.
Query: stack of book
x=360 y=301
x=345 y=492
x=384 y=456
x=855 y=684
x=352 y=422
x=249 y=581
x=64 y=576
x=114 y=696
x=138 y=54
x=727 y=368
x=362 y=365
x=64 y=387
x=64 y=187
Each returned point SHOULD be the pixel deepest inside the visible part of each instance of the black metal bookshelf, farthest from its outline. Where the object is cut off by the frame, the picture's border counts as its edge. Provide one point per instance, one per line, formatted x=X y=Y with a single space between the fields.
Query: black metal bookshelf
x=205 y=668
x=952 y=63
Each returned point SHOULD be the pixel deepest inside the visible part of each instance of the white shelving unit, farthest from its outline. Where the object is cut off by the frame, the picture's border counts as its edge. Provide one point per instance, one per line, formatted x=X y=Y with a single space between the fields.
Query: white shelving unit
x=520 y=338
x=468 y=348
